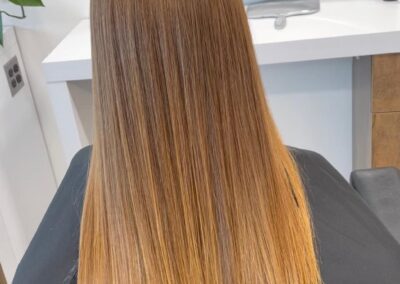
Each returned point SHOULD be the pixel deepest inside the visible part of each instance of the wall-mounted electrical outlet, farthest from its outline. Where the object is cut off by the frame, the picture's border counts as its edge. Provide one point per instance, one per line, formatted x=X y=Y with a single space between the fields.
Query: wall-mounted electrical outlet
x=14 y=75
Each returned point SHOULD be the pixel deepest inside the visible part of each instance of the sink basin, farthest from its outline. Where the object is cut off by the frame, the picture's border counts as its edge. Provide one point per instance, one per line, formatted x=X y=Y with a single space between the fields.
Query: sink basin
x=280 y=9
x=274 y=9
x=303 y=28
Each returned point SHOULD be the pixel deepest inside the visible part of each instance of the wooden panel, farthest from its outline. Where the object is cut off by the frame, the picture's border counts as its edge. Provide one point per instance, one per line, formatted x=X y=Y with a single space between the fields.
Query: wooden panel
x=2 y=277
x=386 y=139
x=386 y=83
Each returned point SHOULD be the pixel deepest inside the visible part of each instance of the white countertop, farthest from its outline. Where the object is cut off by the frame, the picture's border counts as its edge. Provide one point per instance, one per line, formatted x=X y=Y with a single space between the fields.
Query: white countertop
x=343 y=28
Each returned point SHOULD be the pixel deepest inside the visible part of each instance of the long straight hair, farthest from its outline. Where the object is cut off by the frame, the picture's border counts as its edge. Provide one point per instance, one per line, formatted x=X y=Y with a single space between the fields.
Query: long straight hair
x=189 y=181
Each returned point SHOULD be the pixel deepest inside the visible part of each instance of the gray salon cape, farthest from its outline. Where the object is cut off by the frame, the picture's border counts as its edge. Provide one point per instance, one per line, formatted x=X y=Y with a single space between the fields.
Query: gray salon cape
x=353 y=245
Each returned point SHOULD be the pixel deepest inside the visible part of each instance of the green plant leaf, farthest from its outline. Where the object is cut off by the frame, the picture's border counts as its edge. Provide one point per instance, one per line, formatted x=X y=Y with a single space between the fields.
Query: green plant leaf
x=1 y=29
x=32 y=3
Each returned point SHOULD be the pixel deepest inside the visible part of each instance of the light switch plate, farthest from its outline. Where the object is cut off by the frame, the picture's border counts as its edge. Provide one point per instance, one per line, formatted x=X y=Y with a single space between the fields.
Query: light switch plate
x=14 y=75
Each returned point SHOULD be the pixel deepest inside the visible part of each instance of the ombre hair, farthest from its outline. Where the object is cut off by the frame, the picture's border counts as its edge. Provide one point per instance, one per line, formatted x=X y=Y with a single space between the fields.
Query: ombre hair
x=189 y=181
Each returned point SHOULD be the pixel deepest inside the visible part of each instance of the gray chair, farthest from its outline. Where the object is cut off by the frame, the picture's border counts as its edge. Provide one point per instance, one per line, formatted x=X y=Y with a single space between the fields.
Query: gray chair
x=380 y=189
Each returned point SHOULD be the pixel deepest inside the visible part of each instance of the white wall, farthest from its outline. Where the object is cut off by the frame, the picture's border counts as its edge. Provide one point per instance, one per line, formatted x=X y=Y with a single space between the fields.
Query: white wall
x=27 y=182
x=38 y=35
x=312 y=106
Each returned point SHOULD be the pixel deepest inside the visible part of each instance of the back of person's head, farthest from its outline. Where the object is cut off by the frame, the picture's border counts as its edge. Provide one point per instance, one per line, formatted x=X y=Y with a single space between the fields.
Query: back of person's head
x=189 y=181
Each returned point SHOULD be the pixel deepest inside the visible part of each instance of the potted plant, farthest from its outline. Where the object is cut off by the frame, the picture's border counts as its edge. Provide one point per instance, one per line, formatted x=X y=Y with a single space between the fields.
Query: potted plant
x=22 y=4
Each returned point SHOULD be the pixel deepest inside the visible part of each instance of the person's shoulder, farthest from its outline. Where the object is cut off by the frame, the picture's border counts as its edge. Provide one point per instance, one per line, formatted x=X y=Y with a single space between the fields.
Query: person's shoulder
x=75 y=178
x=313 y=164
x=60 y=225
x=303 y=152
x=82 y=157
x=301 y=155
x=78 y=169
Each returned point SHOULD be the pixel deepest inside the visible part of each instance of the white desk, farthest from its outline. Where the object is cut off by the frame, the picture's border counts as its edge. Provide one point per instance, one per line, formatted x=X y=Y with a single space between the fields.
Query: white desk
x=343 y=28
